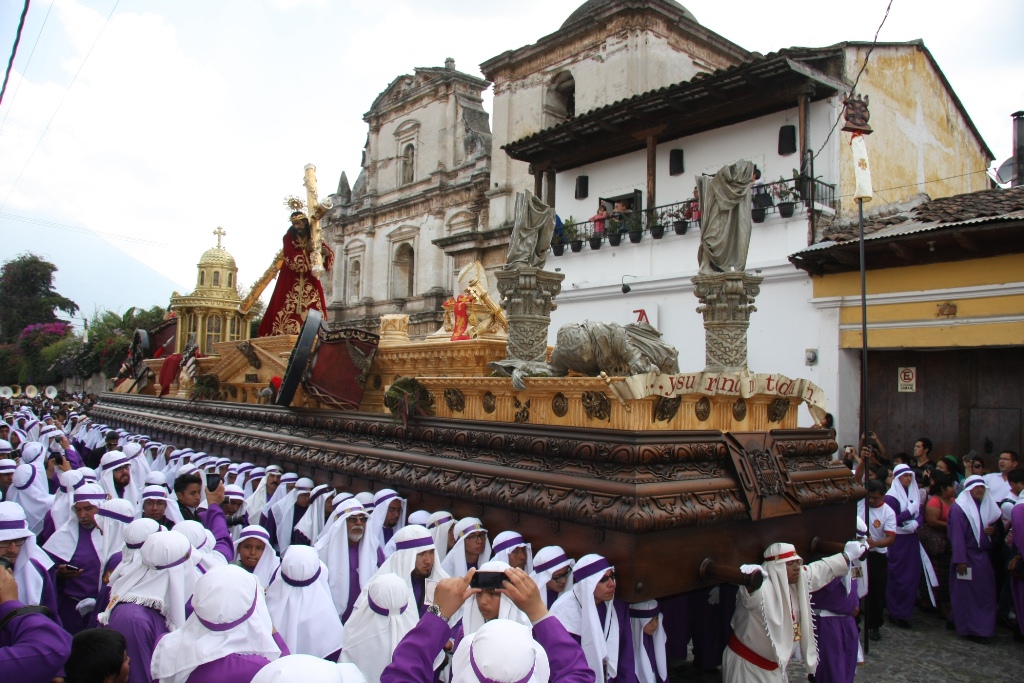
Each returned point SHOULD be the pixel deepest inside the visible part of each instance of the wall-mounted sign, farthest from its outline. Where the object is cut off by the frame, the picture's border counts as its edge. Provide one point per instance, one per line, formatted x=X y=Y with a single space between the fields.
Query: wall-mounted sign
x=906 y=380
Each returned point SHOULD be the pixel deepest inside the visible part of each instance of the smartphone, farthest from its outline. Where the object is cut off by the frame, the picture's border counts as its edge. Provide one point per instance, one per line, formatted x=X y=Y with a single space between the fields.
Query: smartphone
x=212 y=482
x=7 y=564
x=71 y=568
x=488 y=580
x=58 y=459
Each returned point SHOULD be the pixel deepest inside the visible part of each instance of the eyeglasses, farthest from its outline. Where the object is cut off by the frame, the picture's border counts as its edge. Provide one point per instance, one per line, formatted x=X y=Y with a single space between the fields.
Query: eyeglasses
x=607 y=577
x=16 y=542
x=977 y=465
x=563 y=577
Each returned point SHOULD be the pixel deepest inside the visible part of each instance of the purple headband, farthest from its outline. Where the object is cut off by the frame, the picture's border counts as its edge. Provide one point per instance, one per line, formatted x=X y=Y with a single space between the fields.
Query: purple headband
x=117 y=464
x=434 y=525
x=383 y=610
x=162 y=495
x=544 y=566
x=643 y=613
x=318 y=494
x=303 y=583
x=14 y=524
x=134 y=546
x=116 y=515
x=387 y=497
x=484 y=679
x=74 y=487
x=591 y=569
x=516 y=540
x=89 y=497
x=188 y=554
x=415 y=543
x=231 y=624
x=28 y=483
x=265 y=537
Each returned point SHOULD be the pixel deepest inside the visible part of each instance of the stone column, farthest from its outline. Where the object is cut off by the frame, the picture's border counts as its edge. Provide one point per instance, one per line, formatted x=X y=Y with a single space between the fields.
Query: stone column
x=726 y=302
x=394 y=329
x=527 y=295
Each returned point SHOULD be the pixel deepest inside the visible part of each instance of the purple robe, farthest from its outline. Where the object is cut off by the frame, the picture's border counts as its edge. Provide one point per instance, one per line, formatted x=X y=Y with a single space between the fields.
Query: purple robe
x=974 y=601
x=142 y=627
x=234 y=668
x=269 y=522
x=48 y=528
x=48 y=594
x=33 y=648
x=551 y=596
x=713 y=622
x=85 y=585
x=104 y=599
x=675 y=614
x=353 y=581
x=905 y=567
x=419 y=591
x=626 y=668
x=74 y=458
x=413 y=659
x=213 y=519
x=837 y=635
x=652 y=658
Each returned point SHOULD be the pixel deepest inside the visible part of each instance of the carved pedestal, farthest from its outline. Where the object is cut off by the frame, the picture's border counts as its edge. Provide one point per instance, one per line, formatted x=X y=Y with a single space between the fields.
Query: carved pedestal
x=527 y=295
x=726 y=302
x=394 y=329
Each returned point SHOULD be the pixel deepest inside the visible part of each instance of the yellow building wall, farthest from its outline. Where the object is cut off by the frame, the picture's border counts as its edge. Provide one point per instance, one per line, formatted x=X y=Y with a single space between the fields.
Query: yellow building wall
x=991 y=316
x=920 y=135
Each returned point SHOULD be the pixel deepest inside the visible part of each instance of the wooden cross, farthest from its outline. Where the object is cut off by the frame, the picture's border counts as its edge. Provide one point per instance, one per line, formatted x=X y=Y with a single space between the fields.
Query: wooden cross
x=219 y=232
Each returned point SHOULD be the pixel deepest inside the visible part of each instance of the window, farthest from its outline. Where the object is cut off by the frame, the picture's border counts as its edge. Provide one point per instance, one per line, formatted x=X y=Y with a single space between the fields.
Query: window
x=408 y=164
x=233 y=328
x=213 y=332
x=202 y=278
x=354 y=281
x=216 y=278
x=229 y=279
x=403 y=276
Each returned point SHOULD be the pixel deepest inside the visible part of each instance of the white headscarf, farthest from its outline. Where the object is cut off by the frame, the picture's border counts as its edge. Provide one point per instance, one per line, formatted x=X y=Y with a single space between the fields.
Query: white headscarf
x=506 y=542
x=981 y=517
x=30 y=488
x=135 y=535
x=12 y=527
x=577 y=611
x=230 y=617
x=549 y=560
x=909 y=500
x=500 y=652
x=162 y=580
x=778 y=603
x=234 y=492
x=113 y=460
x=157 y=492
x=334 y=552
x=473 y=618
x=378 y=624
x=201 y=542
x=312 y=523
x=64 y=541
x=410 y=540
x=438 y=525
x=640 y=613
x=455 y=561
x=336 y=511
x=70 y=481
x=307 y=669
x=157 y=478
x=287 y=479
x=421 y=517
x=300 y=605
x=113 y=518
x=366 y=498
x=258 y=500
x=266 y=568
x=138 y=461
x=375 y=526
x=283 y=512
x=255 y=475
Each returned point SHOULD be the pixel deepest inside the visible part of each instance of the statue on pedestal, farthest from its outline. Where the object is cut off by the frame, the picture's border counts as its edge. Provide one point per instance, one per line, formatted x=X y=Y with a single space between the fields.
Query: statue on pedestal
x=725 y=222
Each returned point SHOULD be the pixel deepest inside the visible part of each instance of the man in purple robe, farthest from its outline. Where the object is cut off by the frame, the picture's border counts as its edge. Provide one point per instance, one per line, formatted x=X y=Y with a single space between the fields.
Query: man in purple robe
x=31 y=564
x=836 y=606
x=75 y=549
x=350 y=553
x=414 y=657
x=1017 y=584
x=905 y=566
x=972 y=580
x=33 y=648
x=280 y=519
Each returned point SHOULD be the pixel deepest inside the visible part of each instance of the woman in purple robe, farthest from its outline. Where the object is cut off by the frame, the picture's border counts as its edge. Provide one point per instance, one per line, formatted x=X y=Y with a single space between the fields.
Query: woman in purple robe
x=552 y=572
x=972 y=581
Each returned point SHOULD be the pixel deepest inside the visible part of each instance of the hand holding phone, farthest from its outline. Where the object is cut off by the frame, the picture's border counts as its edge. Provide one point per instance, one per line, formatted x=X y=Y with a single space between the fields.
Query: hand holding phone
x=488 y=580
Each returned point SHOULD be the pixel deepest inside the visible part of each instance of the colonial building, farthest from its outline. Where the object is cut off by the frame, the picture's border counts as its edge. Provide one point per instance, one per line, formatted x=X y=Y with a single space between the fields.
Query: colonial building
x=417 y=202
x=211 y=311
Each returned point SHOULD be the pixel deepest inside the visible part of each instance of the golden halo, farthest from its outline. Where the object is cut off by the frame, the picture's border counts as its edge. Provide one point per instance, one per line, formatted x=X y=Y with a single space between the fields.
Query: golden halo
x=294 y=203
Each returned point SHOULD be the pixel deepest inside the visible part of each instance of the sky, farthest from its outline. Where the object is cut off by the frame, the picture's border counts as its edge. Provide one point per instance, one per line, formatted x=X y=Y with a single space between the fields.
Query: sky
x=131 y=129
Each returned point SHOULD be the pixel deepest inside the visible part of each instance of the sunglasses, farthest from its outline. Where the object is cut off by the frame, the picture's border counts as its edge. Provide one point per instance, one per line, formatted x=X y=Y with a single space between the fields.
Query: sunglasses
x=563 y=577
x=977 y=465
x=607 y=577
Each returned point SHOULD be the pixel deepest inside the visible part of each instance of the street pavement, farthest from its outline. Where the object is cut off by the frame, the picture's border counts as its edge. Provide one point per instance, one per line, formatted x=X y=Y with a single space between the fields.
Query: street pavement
x=928 y=653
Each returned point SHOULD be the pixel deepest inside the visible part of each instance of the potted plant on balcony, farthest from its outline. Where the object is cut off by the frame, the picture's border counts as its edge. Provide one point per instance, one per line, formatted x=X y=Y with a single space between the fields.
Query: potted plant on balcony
x=635 y=227
x=785 y=197
x=677 y=217
x=656 y=224
x=572 y=235
x=595 y=240
x=614 y=232
x=558 y=242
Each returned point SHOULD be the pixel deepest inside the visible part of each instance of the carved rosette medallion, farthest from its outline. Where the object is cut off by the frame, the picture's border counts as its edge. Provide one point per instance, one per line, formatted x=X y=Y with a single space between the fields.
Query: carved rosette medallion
x=777 y=410
x=527 y=295
x=739 y=410
x=702 y=409
x=488 y=402
x=522 y=410
x=666 y=408
x=726 y=302
x=559 y=405
x=455 y=400
x=596 y=405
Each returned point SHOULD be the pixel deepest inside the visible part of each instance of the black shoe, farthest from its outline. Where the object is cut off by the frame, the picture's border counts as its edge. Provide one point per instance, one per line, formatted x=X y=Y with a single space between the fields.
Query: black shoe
x=980 y=640
x=901 y=623
x=874 y=634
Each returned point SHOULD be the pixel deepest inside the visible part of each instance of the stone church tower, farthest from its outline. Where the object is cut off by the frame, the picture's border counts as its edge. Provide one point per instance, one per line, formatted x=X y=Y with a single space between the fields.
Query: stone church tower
x=419 y=198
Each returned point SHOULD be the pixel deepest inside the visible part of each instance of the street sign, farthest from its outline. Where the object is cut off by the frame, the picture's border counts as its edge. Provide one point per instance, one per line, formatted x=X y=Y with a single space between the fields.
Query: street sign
x=906 y=380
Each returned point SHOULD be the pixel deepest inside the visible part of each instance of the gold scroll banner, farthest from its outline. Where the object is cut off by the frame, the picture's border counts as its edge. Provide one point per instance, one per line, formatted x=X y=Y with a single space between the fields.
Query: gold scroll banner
x=744 y=384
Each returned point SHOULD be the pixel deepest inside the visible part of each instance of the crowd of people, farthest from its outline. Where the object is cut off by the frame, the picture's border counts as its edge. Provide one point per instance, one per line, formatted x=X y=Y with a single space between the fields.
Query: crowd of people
x=132 y=560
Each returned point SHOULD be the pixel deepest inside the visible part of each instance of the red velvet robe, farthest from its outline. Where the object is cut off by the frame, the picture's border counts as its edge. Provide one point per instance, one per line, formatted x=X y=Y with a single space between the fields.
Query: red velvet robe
x=297 y=290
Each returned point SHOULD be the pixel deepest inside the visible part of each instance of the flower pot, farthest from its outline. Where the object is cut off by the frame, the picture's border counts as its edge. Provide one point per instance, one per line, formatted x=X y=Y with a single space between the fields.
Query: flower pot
x=635 y=237
x=757 y=215
x=614 y=238
x=558 y=249
x=786 y=209
x=595 y=242
x=657 y=231
x=680 y=227
x=576 y=246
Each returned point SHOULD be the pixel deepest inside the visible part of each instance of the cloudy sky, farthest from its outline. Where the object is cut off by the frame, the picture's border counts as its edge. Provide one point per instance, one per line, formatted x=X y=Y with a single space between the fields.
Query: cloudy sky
x=186 y=115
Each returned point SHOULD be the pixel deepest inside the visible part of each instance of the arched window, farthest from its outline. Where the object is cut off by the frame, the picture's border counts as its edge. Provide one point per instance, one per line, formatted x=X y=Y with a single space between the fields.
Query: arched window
x=213 y=332
x=216 y=278
x=229 y=279
x=233 y=328
x=355 y=275
x=403 y=275
x=408 y=164
x=202 y=278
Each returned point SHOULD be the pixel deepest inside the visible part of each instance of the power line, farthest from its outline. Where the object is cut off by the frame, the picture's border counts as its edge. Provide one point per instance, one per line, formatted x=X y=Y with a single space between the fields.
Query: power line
x=24 y=69
x=856 y=80
x=923 y=182
x=14 y=51
x=59 y=104
x=80 y=229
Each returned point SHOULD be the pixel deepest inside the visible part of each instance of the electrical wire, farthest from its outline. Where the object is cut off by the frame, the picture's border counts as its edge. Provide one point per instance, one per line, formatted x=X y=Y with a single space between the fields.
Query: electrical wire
x=14 y=51
x=80 y=229
x=856 y=80
x=24 y=69
x=923 y=182
x=59 y=104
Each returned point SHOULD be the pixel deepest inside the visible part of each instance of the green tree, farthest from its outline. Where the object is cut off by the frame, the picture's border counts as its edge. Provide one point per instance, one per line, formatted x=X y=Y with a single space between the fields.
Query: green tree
x=27 y=295
x=110 y=337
